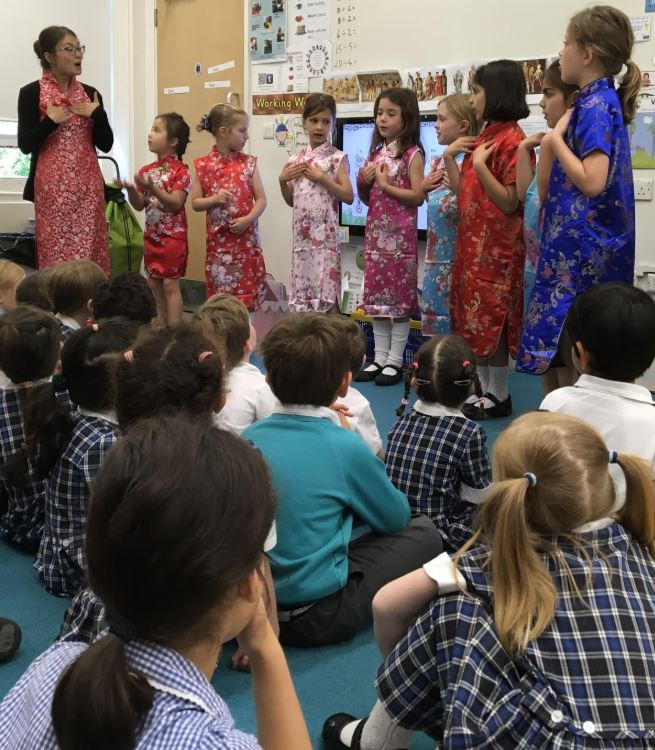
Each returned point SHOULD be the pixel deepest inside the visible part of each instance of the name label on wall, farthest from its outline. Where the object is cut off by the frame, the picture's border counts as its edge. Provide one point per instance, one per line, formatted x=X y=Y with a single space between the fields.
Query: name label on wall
x=277 y=104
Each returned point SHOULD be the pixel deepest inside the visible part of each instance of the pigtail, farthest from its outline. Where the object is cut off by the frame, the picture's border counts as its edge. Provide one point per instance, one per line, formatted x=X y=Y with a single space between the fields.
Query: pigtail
x=470 y=377
x=100 y=699
x=638 y=513
x=629 y=91
x=524 y=592
x=408 y=384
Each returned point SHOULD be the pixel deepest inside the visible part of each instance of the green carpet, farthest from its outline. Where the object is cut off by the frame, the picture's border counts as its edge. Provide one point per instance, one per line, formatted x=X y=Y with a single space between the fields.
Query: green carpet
x=330 y=679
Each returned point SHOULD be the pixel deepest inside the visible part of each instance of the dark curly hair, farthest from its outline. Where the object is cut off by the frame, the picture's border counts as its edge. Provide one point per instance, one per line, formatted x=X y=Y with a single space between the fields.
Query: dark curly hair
x=126 y=295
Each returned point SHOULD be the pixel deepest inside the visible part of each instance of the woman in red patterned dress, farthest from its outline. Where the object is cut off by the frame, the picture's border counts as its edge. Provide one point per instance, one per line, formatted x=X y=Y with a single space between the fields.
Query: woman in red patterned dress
x=230 y=189
x=60 y=123
x=486 y=300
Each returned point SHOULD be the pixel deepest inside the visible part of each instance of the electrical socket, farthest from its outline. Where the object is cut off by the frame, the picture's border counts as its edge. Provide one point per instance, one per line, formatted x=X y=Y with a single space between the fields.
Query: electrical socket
x=643 y=189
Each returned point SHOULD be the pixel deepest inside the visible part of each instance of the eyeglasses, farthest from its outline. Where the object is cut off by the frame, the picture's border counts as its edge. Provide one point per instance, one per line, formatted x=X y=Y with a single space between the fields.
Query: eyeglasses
x=79 y=50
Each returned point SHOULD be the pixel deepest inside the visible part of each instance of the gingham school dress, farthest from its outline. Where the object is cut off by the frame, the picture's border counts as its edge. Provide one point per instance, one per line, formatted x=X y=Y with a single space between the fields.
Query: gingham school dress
x=586 y=682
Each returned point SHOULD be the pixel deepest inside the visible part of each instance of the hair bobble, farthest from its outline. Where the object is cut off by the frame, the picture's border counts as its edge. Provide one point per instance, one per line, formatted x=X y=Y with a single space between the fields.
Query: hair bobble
x=414 y=365
x=466 y=364
x=205 y=124
x=532 y=478
x=613 y=457
x=203 y=356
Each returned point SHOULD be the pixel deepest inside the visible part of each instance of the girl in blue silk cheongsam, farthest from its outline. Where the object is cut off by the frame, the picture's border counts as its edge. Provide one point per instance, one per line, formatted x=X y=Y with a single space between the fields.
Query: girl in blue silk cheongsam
x=589 y=223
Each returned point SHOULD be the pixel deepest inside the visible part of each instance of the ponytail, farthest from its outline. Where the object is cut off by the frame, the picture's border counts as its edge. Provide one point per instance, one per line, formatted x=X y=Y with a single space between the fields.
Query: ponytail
x=638 y=513
x=629 y=91
x=48 y=426
x=524 y=592
x=409 y=375
x=99 y=699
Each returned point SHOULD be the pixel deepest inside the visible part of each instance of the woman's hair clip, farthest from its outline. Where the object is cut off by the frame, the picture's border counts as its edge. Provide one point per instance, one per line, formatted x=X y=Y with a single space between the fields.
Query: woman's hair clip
x=128 y=356
x=532 y=478
x=613 y=457
x=203 y=356
x=205 y=124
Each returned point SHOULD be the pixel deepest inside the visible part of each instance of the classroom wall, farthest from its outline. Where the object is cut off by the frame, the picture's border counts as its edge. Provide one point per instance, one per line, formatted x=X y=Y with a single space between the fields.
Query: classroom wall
x=436 y=35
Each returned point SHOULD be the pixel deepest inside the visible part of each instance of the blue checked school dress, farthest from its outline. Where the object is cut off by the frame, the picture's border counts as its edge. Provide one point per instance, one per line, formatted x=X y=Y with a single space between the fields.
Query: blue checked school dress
x=61 y=560
x=187 y=713
x=585 y=241
x=587 y=682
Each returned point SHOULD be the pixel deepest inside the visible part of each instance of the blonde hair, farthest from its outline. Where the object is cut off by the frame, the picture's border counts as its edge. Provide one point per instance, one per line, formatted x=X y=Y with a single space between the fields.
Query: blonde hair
x=573 y=486
x=225 y=320
x=459 y=106
x=220 y=116
x=72 y=284
x=11 y=274
x=608 y=33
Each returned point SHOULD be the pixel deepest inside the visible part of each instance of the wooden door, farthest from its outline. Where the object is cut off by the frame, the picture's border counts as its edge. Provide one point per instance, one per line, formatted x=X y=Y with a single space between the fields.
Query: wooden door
x=192 y=36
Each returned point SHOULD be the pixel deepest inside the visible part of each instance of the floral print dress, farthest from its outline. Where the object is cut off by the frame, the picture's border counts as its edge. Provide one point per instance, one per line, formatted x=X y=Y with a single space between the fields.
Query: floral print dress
x=487 y=280
x=165 y=247
x=234 y=262
x=532 y=226
x=391 y=240
x=69 y=199
x=586 y=241
x=316 y=266
x=439 y=251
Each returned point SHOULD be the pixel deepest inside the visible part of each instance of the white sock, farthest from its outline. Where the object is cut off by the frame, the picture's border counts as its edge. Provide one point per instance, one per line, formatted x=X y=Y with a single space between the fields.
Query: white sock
x=382 y=336
x=380 y=732
x=399 y=336
x=498 y=382
x=472 y=399
x=483 y=374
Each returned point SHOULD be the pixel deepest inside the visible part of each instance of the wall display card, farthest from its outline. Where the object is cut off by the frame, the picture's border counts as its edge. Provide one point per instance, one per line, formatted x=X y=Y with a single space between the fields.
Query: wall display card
x=266 y=80
x=177 y=90
x=371 y=84
x=267 y=30
x=345 y=34
x=309 y=18
x=534 y=70
x=459 y=78
x=318 y=58
x=220 y=68
x=273 y=104
x=217 y=84
x=650 y=6
x=294 y=73
x=646 y=101
x=642 y=140
x=288 y=133
x=641 y=28
x=344 y=89
x=428 y=84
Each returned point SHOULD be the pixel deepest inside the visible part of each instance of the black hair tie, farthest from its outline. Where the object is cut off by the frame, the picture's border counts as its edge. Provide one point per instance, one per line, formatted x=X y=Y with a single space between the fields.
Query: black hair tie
x=121 y=628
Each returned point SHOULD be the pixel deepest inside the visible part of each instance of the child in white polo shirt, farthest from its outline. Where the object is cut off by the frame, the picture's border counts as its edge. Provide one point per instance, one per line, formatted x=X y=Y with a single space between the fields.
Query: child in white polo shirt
x=248 y=396
x=612 y=332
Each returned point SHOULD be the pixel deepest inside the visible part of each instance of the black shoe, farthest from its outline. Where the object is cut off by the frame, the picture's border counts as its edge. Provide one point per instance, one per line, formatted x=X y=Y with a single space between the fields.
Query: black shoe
x=366 y=376
x=10 y=637
x=331 y=732
x=383 y=379
x=499 y=409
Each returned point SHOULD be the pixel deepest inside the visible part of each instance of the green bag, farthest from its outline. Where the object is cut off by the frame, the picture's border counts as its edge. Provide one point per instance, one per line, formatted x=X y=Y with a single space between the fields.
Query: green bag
x=125 y=233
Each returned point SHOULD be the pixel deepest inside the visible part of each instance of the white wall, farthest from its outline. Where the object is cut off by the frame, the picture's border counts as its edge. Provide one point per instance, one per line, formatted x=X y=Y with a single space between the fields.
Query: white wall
x=438 y=34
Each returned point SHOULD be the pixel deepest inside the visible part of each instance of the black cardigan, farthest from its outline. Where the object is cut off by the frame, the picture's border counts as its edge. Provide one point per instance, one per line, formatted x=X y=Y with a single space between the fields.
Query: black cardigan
x=32 y=130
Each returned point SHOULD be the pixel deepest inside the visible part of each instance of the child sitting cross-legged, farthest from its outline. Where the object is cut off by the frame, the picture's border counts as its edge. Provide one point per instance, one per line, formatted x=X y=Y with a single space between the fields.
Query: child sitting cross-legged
x=248 y=396
x=325 y=477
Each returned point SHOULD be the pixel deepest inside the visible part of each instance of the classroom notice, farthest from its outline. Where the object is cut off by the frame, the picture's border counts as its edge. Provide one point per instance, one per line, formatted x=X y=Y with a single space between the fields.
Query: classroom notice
x=267 y=31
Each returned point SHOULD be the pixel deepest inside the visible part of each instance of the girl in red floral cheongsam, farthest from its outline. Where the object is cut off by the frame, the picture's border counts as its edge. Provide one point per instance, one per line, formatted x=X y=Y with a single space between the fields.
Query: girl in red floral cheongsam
x=161 y=188
x=486 y=299
x=229 y=188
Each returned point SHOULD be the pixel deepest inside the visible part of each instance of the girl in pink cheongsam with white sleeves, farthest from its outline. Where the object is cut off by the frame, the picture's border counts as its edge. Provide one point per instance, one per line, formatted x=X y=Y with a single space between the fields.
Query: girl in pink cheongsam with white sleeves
x=229 y=188
x=390 y=182
x=313 y=182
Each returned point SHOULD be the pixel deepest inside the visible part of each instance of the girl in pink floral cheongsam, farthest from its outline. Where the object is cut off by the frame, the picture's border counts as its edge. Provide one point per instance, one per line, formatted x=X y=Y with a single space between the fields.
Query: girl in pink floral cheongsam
x=313 y=182
x=389 y=183
x=229 y=188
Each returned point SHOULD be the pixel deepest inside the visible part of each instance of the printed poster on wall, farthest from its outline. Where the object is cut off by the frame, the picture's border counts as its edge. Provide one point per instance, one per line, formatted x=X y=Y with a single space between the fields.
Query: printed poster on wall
x=268 y=30
x=309 y=18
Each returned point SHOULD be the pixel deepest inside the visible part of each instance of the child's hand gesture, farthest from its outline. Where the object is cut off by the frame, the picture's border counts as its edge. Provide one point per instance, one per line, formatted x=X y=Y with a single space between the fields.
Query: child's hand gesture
x=482 y=153
x=433 y=179
x=144 y=181
x=381 y=177
x=314 y=172
x=291 y=172
x=222 y=197
x=239 y=226
x=563 y=123
x=125 y=184
x=86 y=109
x=463 y=145
x=532 y=142
x=368 y=170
